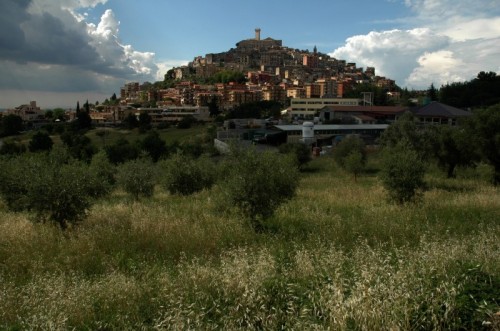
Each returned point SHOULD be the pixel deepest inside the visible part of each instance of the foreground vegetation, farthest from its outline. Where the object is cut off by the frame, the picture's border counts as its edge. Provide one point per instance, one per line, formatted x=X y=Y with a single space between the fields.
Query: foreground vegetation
x=337 y=256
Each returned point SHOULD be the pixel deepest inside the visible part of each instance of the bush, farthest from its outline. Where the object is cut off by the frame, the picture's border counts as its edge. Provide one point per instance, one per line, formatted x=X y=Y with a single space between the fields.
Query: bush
x=403 y=173
x=121 y=151
x=185 y=175
x=12 y=147
x=347 y=146
x=354 y=163
x=137 y=177
x=258 y=183
x=154 y=146
x=55 y=188
x=301 y=152
x=14 y=179
x=105 y=172
x=40 y=142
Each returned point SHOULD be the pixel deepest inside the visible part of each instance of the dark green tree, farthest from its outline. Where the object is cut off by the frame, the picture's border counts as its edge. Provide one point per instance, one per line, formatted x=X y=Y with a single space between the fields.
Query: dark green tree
x=121 y=151
x=79 y=146
x=301 y=152
x=82 y=120
x=144 y=121
x=484 y=130
x=452 y=147
x=432 y=93
x=131 y=122
x=11 y=125
x=154 y=146
x=40 y=142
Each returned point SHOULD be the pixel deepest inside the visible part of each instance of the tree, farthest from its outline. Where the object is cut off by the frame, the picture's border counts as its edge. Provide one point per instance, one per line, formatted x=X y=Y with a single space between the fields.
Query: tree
x=351 y=144
x=137 y=177
x=184 y=175
x=11 y=125
x=213 y=107
x=154 y=146
x=406 y=128
x=186 y=122
x=144 y=121
x=54 y=187
x=484 y=130
x=40 y=142
x=82 y=120
x=79 y=146
x=301 y=152
x=121 y=151
x=131 y=122
x=258 y=183
x=432 y=93
x=104 y=171
x=354 y=163
x=403 y=173
x=451 y=147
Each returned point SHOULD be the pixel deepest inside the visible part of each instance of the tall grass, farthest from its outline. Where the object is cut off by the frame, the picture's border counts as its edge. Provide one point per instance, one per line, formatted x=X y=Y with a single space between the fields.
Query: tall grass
x=338 y=256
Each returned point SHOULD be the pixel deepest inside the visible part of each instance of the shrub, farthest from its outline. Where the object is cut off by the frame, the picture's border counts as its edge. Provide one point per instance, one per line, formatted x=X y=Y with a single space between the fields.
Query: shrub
x=185 y=175
x=121 y=151
x=403 y=173
x=12 y=147
x=40 y=141
x=301 y=152
x=14 y=179
x=154 y=146
x=347 y=146
x=354 y=163
x=105 y=172
x=53 y=187
x=137 y=177
x=258 y=183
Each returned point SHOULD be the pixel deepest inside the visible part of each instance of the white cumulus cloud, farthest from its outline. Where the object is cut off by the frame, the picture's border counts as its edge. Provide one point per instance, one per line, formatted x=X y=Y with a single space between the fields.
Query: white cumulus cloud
x=452 y=40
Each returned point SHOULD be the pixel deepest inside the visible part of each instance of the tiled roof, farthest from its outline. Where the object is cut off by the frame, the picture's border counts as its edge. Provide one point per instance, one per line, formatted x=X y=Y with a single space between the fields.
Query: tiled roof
x=438 y=109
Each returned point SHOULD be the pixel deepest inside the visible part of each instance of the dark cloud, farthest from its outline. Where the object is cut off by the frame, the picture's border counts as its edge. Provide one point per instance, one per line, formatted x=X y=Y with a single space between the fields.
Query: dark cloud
x=13 y=14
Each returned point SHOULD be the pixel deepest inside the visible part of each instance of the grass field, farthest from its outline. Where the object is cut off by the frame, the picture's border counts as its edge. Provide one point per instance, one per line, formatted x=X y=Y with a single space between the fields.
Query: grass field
x=338 y=256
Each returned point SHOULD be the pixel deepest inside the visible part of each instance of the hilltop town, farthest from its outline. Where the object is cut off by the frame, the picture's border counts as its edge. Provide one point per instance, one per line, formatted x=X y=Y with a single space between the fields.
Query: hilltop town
x=257 y=69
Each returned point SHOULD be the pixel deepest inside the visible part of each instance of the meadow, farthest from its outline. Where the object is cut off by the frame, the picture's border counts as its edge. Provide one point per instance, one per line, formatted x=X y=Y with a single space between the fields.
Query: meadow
x=338 y=256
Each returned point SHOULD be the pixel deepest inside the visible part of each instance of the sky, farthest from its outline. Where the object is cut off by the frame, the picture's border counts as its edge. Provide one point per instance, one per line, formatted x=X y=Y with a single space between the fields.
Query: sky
x=58 y=52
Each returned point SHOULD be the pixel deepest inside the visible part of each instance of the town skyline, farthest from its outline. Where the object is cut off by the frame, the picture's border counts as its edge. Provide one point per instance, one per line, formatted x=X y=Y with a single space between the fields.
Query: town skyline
x=95 y=46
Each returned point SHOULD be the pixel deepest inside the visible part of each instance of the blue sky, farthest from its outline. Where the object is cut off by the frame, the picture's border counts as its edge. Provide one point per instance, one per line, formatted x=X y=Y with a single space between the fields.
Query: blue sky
x=61 y=51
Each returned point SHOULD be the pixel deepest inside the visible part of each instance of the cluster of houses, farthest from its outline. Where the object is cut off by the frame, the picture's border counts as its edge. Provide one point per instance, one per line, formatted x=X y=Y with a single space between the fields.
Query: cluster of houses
x=273 y=73
x=311 y=83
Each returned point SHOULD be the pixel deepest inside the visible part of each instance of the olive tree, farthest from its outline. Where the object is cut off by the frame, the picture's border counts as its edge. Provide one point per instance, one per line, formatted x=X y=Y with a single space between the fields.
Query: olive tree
x=351 y=144
x=258 y=183
x=185 y=175
x=137 y=177
x=403 y=173
x=53 y=187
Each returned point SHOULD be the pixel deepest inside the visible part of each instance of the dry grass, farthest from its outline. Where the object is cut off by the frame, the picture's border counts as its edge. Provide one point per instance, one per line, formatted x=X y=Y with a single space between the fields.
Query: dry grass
x=337 y=257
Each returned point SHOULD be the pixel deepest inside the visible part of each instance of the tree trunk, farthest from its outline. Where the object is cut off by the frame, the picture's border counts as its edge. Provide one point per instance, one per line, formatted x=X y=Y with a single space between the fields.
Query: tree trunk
x=451 y=170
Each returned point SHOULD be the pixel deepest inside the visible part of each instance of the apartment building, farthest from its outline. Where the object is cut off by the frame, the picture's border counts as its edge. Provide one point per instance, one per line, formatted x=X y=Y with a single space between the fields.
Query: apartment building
x=308 y=108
